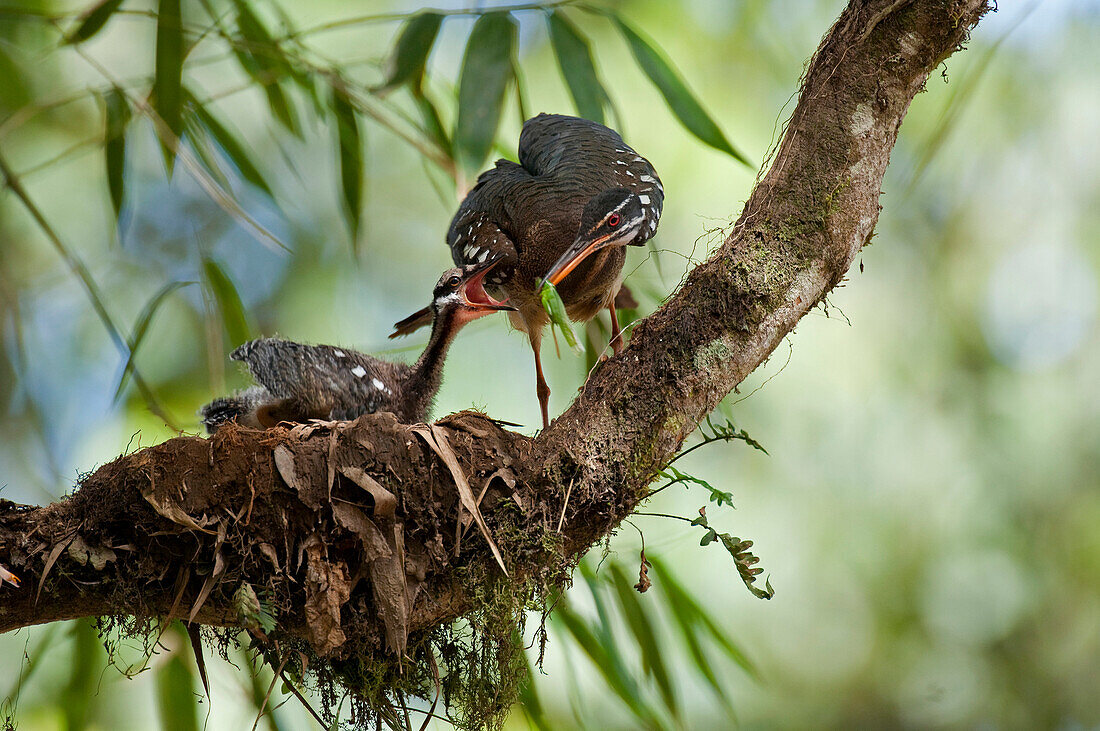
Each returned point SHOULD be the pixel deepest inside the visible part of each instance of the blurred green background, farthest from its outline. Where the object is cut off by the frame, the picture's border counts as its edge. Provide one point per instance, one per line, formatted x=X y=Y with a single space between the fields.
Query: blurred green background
x=929 y=513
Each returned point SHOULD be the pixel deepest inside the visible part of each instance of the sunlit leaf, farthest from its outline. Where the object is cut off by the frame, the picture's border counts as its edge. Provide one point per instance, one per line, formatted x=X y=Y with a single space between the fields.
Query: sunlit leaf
x=532 y=706
x=14 y=93
x=141 y=328
x=176 y=698
x=638 y=620
x=410 y=53
x=689 y=614
x=486 y=71
x=229 y=144
x=234 y=319
x=351 y=158
x=85 y=661
x=577 y=67
x=678 y=97
x=168 y=73
x=263 y=60
x=198 y=139
x=607 y=661
x=93 y=21
x=117 y=110
x=433 y=124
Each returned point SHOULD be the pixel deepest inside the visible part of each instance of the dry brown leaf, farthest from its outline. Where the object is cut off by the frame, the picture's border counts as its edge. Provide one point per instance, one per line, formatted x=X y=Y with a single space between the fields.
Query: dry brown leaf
x=385 y=503
x=436 y=438
x=50 y=560
x=84 y=554
x=269 y=552
x=173 y=512
x=355 y=520
x=214 y=577
x=284 y=462
x=327 y=588
x=390 y=593
x=208 y=586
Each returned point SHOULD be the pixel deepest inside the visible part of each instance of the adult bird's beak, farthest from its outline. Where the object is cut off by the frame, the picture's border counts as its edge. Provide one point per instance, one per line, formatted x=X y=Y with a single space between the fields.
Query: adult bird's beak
x=580 y=250
x=474 y=294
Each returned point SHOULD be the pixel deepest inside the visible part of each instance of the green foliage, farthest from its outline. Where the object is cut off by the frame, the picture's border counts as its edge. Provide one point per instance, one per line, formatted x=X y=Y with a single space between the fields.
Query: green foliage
x=168 y=78
x=204 y=121
x=577 y=66
x=678 y=97
x=176 y=698
x=486 y=72
x=117 y=110
x=234 y=317
x=676 y=477
x=742 y=557
x=141 y=329
x=410 y=53
x=351 y=157
x=93 y=21
x=264 y=61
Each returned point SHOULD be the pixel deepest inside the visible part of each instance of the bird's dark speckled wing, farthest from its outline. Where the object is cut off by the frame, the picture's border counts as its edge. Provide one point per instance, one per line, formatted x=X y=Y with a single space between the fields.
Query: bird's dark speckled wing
x=324 y=381
x=586 y=157
x=475 y=238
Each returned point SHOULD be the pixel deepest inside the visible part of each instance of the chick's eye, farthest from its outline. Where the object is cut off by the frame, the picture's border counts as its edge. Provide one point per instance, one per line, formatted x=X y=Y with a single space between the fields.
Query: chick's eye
x=613 y=220
x=454 y=280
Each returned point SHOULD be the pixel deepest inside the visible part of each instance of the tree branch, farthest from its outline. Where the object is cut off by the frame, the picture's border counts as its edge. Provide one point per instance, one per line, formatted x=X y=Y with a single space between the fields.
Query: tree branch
x=353 y=531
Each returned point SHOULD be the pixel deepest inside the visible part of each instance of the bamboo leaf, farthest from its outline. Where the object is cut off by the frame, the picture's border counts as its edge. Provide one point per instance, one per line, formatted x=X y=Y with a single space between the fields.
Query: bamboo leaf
x=410 y=53
x=141 y=328
x=577 y=67
x=605 y=657
x=686 y=610
x=199 y=141
x=679 y=98
x=117 y=110
x=168 y=74
x=234 y=319
x=229 y=144
x=529 y=699
x=433 y=124
x=263 y=60
x=176 y=694
x=351 y=158
x=641 y=627
x=93 y=21
x=78 y=698
x=486 y=71
x=14 y=93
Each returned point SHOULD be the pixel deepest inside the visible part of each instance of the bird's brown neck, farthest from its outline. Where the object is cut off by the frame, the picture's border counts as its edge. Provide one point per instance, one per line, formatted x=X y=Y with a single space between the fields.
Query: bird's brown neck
x=426 y=374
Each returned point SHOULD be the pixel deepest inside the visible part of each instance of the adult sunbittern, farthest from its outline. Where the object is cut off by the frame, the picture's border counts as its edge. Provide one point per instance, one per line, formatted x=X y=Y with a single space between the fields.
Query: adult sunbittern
x=578 y=196
x=300 y=382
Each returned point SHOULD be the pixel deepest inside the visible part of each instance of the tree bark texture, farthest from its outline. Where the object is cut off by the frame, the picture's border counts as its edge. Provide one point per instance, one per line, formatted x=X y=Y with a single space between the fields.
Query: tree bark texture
x=363 y=534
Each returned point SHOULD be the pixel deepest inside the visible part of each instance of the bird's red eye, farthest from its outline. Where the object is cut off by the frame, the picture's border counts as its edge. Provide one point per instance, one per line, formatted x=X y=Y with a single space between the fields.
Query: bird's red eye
x=613 y=220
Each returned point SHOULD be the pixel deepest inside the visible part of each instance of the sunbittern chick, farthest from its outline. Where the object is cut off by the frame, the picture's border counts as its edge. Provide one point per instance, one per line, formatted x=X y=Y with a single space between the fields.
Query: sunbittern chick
x=563 y=214
x=300 y=382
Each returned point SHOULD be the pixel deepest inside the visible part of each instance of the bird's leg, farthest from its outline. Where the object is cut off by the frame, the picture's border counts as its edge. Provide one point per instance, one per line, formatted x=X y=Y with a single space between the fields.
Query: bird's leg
x=616 y=334
x=541 y=388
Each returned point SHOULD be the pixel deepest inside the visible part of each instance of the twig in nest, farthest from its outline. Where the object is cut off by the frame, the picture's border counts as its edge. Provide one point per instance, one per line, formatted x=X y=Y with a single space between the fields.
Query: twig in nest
x=568 y=492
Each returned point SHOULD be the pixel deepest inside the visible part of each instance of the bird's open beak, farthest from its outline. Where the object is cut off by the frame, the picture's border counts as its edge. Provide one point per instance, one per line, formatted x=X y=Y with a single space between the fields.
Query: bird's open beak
x=574 y=255
x=473 y=292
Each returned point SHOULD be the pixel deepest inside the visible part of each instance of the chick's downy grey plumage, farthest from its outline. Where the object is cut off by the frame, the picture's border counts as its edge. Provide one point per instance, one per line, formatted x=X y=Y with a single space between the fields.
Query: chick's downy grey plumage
x=298 y=382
